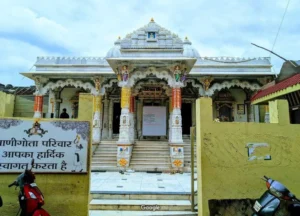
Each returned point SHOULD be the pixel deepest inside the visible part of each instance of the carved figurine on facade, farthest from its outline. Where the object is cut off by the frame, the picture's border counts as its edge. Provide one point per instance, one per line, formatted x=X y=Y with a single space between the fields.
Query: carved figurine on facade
x=206 y=81
x=125 y=73
x=183 y=77
x=177 y=73
x=119 y=74
x=97 y=84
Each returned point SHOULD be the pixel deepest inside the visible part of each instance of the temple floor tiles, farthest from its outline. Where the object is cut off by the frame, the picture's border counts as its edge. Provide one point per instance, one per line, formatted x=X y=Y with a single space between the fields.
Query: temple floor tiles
x=126 y=194
x=141 y=182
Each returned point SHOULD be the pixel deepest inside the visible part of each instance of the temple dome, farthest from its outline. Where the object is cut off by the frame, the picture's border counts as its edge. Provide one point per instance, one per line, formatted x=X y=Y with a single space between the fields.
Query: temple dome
x=189 y=50
x=115 y=52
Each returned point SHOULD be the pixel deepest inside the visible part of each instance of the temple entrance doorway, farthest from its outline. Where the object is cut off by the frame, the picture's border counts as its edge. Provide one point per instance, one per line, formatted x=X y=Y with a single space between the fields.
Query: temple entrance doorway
x=116 y=118
x=186 y=113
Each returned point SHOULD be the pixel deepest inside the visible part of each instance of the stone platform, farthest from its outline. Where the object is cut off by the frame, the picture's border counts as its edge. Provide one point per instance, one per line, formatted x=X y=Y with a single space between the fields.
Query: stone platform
x=125 y=194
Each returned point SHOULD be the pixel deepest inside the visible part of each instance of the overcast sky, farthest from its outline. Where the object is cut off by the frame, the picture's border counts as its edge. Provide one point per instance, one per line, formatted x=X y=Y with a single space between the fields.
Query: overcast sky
x=31 y=28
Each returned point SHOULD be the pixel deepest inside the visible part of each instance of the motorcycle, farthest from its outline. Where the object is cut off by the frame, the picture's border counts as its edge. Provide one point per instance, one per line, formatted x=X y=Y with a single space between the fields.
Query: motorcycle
x=268 y=204
x=30 y=197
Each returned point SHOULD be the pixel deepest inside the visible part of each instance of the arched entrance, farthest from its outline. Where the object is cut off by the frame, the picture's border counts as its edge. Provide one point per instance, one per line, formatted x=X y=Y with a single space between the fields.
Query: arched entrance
x=152 y=97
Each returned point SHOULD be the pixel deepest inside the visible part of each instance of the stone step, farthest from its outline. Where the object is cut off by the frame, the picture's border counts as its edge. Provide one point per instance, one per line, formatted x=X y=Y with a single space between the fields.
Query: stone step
x=151 y=151
x=139 y=213
x=105 y=168
x=140 y=196
x=145 y=169
x=151 y=142
x=101 y=162
x=138 y=156
x=108 y=160
x=106 y=151
x=136 y=205
x=107 y=147
x=147 y=160
x=108 y=154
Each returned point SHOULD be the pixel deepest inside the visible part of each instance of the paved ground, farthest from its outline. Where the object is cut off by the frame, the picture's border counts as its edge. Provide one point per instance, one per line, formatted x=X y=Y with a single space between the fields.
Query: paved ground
x=141 y=182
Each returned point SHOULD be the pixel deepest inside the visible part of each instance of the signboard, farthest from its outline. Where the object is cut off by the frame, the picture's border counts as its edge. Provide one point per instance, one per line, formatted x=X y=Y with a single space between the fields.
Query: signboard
x=154 y=121
x=56 y=146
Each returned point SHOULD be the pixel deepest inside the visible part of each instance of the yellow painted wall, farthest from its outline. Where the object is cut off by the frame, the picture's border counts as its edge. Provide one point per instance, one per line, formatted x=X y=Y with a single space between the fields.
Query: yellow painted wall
x=224 y=171
x=6 y=104
x=85 y=109
x=24 y=106
x=65 y=194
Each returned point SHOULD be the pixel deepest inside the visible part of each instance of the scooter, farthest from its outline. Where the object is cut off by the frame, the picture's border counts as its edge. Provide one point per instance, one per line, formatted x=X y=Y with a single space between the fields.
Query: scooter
x=268 y=204
x=30 y=197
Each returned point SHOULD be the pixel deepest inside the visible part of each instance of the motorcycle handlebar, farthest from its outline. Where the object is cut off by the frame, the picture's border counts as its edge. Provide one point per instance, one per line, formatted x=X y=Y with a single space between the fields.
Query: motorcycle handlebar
x=12 y=184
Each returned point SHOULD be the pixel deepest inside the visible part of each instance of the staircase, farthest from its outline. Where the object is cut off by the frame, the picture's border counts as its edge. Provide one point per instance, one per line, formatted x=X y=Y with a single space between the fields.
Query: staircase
x=140 y=204
x=187 y=155
x=105 y=156
x=150 y=156
x=146 y=156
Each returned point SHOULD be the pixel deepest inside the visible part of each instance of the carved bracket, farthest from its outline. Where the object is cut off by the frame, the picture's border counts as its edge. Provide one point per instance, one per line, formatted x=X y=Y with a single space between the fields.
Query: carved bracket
x=206 y=81
x=39 y=83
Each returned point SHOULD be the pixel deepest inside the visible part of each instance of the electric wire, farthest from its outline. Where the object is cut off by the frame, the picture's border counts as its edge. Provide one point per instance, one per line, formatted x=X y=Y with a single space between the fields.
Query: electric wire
x=286 y=8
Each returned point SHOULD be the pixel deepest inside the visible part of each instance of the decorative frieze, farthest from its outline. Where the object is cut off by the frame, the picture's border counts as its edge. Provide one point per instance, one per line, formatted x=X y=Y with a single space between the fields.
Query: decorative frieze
x=229 y=84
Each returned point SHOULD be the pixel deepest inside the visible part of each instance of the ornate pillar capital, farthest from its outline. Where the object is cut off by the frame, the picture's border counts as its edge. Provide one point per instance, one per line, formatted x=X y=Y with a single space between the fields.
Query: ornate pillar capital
x=206 y=81
x=124 y=71
x=39 y=83
x=98 y=90
x=179 y=72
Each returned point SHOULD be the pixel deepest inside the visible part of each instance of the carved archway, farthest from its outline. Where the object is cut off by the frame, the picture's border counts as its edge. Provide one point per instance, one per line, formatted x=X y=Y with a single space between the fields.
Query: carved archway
x=161 y=74
x=110 y=83
x=194 y=84
x=69 y=82
x=140 y=84
x=230 y=84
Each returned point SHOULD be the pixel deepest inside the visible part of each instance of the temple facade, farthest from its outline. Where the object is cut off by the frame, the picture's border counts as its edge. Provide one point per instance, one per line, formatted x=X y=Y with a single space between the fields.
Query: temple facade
x=146 y=86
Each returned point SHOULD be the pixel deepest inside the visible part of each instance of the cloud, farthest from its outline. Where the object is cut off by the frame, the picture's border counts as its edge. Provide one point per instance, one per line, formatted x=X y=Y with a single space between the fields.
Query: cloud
x=89 y=28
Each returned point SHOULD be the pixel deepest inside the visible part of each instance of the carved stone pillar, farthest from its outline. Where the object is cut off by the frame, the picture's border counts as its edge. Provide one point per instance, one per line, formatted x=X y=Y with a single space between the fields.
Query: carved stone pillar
x=267 y=115
x=175 y=128
x=105 y=119
x=124 y=136
x=110 y=119
x=125 y=142
x=97 y=108
x=38 y=106
x=176 y=119
x=132 y=118
x=140 y=118
x=170 y=117
x=97 y=118
x=135 y=119
x=38 y=100
x=193 y=113
x=52 y=104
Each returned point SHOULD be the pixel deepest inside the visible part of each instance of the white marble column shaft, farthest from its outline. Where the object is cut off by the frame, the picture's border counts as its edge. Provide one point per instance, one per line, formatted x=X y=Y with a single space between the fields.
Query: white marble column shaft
x=110 y=119
x=105 y=119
